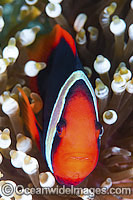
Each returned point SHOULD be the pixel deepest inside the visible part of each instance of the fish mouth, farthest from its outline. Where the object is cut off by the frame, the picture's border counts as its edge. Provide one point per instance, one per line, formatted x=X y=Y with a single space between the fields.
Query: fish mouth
x=76 y=156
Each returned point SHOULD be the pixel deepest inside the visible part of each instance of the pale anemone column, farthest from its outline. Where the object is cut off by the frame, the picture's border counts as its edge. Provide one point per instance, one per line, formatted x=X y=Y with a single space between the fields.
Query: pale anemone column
x=28 y=12
x=2 y=23
x=118 y=27
x=4 y=62
x=54 y=10
x=129 y=48
x=81 y=41
x=27 y=36
x=55 y=1
x=102 y=93
x=4 y=120
x=81 y=37
x=47 y=180
x=120 y=105
x=11 y=51
x=129 y=17
x=107 y=184
x=17 y=158
x=104 y=20
x=80 y=31
x=88 y=71
x=31 y=167
x=5 y=142
x=80 y=22
x=120 y=157
x=32 y=68
x=86 y=194
x=131 y=63
x=24 y=143
x=112 y=151
x=123 y=71
x=22 y=196
x=1 y=158
x=11 y=108
x=109 y=117
x=31 y=2
x=102 y=67
x=129 y=86
x=104 y=17
x=26 y=90
x=93 y=31
x=24 y=12
x=118 y=86
x=128 y=96
x=125 y=109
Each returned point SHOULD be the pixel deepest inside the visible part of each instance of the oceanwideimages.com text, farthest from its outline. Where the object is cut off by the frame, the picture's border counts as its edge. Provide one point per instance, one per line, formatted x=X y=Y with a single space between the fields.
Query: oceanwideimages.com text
x=8 y=189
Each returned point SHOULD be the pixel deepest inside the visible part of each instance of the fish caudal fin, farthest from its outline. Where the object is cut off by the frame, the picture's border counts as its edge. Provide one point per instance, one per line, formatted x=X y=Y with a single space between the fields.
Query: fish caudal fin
x=29 y=117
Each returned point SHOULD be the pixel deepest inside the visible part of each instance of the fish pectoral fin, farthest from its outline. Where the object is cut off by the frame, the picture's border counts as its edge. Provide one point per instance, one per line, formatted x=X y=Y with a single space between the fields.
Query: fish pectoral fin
x=29 y=119
x=97 y=133
x=99 y=130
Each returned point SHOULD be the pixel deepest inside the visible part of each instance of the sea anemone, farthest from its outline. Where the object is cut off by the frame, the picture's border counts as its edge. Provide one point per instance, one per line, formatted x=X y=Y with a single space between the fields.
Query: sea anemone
x=103 y=32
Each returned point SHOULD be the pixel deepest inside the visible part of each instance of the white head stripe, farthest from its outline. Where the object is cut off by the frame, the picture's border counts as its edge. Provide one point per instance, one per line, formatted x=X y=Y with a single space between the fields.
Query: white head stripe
x=58 y=108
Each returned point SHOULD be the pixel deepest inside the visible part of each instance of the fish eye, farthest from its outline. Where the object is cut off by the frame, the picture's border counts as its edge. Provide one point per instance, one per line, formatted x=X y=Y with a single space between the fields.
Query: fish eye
x=60 y=128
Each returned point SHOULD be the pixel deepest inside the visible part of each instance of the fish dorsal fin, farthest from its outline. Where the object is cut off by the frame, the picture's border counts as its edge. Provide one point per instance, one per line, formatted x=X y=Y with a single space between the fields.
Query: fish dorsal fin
x=29 y=117
x=42 y=49
x=44 y=45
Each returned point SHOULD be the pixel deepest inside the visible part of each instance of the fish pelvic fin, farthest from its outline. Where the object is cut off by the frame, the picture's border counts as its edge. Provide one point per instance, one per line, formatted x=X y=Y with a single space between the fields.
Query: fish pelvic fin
x=29 y=118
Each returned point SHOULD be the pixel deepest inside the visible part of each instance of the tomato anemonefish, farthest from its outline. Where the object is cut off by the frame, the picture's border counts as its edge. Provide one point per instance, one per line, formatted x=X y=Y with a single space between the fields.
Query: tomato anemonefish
x=71 y=129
